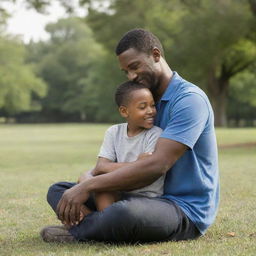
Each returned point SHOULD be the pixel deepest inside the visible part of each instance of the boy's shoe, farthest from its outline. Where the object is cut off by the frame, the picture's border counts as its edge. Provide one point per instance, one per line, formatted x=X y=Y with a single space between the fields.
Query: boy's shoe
x=57 y=234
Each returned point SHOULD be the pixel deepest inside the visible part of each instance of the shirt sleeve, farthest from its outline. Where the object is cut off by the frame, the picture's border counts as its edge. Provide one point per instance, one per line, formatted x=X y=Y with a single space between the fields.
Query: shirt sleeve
x=107 y=149
x=154 y=134
x=188 y=119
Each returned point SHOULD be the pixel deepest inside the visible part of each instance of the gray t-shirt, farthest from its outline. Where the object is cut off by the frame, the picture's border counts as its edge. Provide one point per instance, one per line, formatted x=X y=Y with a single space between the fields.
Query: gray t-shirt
x=118 y=147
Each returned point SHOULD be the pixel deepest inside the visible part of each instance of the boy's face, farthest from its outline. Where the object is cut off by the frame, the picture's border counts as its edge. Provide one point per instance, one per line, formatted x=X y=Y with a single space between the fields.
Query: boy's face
x=140 y=110
x=141 y=68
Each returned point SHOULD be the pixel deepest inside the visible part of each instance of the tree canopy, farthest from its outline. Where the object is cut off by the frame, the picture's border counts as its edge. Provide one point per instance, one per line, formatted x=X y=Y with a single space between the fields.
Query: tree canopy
x=211 y=43
x=74 y=66
x=18 y=82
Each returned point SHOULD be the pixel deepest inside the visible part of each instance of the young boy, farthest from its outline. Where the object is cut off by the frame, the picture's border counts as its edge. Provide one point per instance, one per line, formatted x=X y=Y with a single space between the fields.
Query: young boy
x=127 y=142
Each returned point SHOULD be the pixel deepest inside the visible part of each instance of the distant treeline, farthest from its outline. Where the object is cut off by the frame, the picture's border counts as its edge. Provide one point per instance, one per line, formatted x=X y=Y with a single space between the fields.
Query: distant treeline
x=72 y=77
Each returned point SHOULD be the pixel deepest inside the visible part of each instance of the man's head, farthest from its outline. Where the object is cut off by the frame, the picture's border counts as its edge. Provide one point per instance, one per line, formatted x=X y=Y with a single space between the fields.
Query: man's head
x=136 y=104
x=140 y=40
x=140 y=54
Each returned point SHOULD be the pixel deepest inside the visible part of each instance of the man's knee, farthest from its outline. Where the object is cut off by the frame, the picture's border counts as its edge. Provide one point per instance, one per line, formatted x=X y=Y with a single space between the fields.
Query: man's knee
x=55 y=192
x=52 y=191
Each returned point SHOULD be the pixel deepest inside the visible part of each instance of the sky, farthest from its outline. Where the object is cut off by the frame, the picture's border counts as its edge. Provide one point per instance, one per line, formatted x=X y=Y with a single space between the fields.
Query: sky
x=29 y=24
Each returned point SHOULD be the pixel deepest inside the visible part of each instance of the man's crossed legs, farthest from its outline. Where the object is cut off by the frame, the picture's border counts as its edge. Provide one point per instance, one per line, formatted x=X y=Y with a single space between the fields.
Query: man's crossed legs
x=132 y=219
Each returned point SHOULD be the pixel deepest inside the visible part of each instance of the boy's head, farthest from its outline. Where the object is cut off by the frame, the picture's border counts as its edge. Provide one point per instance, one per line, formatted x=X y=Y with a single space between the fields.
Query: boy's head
x=136 y=104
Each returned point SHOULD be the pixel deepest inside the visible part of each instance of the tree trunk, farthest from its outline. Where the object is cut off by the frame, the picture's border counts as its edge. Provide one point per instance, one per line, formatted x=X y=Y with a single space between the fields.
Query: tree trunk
x=218 y=93
x=219 y=108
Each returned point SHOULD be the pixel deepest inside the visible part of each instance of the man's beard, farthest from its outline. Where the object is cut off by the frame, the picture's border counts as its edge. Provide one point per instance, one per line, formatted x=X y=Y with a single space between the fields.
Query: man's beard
x=148 y=80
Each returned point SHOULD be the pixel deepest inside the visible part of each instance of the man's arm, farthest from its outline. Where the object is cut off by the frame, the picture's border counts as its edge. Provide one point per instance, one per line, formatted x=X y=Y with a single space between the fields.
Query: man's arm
x=135 y=175
x=141 y=172
x=105 y=165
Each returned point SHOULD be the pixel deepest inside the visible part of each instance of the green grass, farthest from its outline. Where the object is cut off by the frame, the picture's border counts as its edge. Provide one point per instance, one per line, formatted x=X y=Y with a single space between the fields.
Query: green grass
x=34 y=156
x=236 y=135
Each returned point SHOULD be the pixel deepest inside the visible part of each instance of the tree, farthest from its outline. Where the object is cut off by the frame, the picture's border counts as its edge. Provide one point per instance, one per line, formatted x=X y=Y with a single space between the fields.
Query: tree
x=70 y=63
x=208 y=41
x=217 y=43
x=39 y=5
x=242 y=98
x=18 y=82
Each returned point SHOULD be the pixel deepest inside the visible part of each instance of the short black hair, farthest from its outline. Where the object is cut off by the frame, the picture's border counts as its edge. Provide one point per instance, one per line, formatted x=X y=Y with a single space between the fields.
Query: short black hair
x=123 y=91
x=139 y=39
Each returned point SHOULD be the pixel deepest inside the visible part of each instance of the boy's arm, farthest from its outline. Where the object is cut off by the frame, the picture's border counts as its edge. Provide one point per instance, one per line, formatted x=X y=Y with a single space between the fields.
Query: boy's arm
x=84 y=176
x=107 y=157
x=105 y=165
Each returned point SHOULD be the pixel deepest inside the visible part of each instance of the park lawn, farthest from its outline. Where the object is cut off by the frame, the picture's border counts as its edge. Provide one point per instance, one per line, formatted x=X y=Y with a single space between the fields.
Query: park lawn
x=34 y=156
x=236 y=135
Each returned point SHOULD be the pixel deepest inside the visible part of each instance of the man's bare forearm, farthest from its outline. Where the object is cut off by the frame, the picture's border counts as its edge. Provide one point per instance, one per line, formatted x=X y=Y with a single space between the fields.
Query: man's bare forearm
x=139 y=173
x=135 y=175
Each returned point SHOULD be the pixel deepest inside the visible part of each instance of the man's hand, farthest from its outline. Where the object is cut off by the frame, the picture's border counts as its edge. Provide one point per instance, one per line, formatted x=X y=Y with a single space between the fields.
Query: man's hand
x=71 y=205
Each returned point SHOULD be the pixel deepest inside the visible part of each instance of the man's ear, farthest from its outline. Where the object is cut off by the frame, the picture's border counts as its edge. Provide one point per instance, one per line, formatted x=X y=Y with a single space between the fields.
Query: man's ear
x=123 y=111
x=156 y=53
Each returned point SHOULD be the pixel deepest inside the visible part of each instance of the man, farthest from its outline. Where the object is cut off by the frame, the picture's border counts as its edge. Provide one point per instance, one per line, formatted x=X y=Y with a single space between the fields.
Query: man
x=186 y=151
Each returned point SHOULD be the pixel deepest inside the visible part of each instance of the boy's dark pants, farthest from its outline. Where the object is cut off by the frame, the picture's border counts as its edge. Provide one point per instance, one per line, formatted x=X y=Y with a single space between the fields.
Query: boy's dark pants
x=133 y=219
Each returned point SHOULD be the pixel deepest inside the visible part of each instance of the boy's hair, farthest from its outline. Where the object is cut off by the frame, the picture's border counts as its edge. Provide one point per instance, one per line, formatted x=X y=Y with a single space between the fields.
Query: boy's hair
x=124 y=90
x=139 y=39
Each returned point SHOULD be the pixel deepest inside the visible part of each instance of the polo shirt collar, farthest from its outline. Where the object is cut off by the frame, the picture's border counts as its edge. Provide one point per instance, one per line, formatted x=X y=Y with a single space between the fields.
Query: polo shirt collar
x=175 y=80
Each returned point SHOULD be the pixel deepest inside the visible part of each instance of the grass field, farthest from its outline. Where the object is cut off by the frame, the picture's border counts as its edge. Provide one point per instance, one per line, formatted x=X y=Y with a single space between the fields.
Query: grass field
x=34 y=156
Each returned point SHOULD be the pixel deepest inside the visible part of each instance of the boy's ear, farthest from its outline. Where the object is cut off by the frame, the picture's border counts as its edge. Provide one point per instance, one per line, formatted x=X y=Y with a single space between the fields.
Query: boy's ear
x=123 y=111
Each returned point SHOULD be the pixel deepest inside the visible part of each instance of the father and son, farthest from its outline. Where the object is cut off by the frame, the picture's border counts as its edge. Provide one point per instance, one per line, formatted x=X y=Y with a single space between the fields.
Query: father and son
x=150 y=183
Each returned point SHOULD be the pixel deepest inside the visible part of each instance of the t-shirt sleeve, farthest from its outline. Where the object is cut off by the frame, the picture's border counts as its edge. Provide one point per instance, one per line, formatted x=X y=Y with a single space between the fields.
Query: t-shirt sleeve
x=188 y=119
x=107 y=149
x=154 y=134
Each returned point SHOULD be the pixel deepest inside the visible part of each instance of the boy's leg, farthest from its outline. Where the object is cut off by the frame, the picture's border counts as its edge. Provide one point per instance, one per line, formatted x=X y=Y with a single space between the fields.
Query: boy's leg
x=136 y=219
x=105 y=199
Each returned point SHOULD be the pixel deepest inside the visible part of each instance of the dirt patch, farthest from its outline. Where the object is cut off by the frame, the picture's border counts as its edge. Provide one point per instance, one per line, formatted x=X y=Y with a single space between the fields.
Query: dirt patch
x=238 y=145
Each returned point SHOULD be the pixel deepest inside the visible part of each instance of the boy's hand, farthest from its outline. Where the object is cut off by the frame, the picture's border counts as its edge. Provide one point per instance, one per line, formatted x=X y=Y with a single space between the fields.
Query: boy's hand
x=82 y=178
x=143 y=155
x=85 y=176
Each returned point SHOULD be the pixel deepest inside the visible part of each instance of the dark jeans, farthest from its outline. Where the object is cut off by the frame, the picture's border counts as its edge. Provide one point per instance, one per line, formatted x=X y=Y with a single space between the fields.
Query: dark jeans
x=132 y=219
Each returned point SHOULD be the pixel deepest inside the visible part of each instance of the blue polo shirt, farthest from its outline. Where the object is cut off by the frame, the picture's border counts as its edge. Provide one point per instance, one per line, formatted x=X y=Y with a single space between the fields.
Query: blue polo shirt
x=186 y=116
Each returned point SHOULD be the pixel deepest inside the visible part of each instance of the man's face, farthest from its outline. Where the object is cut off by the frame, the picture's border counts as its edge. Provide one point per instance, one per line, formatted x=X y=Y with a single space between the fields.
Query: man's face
x=140 y=67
